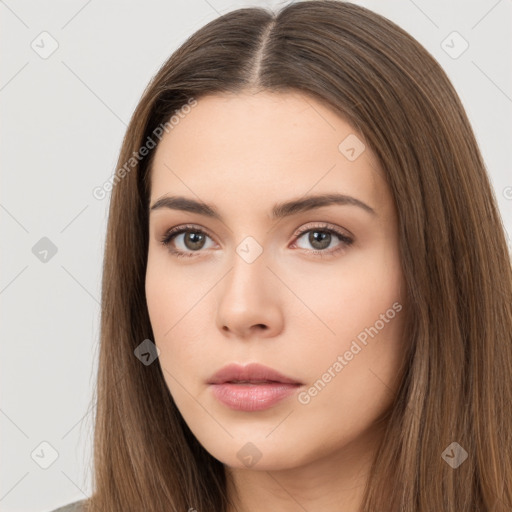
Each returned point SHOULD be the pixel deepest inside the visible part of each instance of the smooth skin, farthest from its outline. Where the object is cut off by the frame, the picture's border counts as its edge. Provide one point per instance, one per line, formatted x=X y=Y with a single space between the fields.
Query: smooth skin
x=298 y=306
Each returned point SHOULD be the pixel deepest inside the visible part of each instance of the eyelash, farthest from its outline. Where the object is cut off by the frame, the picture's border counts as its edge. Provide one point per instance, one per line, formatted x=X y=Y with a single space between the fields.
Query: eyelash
x=174 y=232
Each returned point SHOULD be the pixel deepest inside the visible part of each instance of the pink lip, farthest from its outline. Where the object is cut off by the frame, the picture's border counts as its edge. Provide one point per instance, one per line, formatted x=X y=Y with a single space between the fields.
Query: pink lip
x=253 y=387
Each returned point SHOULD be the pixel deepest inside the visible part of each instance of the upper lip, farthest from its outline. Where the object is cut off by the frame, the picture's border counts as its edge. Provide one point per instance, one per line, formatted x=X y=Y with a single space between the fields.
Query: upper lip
x=253 y=372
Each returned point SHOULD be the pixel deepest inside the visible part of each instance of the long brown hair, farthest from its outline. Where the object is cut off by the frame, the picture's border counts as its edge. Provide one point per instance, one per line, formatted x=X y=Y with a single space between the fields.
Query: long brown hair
x=457 y=384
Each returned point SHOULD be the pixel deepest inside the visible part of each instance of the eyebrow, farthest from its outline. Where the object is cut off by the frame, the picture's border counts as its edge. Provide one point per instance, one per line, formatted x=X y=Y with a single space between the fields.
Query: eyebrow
x=279 y=210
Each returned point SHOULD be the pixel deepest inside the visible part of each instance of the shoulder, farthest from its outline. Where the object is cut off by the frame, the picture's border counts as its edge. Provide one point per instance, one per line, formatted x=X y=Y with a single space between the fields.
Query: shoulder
x=76 y=506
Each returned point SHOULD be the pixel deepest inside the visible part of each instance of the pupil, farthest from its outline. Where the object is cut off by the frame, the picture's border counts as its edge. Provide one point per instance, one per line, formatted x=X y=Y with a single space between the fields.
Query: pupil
x=325 y=239
x=196 y=239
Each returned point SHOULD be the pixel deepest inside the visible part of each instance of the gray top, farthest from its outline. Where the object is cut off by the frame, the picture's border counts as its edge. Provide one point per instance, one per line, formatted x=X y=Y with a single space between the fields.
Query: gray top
x=76 y=506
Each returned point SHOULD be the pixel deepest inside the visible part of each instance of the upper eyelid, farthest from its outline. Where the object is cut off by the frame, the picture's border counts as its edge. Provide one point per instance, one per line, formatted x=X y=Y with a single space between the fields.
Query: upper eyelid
x=179 y=229
x=327 y=226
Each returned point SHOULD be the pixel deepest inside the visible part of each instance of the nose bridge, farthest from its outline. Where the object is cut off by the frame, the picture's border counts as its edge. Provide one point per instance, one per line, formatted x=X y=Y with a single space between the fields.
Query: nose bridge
x=246 y=299
x=249 y=268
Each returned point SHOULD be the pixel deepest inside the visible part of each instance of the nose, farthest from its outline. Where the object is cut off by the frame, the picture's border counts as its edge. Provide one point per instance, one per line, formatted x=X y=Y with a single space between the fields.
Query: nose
x=249 y=302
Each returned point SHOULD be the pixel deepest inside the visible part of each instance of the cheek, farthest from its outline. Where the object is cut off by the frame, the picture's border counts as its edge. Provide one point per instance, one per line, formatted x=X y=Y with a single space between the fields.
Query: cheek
x=160 y=300
x=357 y=356
x=170 y=294
x=164 y=308
x=177 y=317
x=353 y=376
x=349 y=297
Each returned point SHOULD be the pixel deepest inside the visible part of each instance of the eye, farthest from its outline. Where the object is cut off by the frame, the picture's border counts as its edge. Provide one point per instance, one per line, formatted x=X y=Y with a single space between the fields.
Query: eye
x=192 y=241
x=322 y=237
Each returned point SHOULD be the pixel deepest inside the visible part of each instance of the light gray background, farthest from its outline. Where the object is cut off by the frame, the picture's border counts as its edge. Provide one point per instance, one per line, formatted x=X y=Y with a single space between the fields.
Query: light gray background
x=63 y=119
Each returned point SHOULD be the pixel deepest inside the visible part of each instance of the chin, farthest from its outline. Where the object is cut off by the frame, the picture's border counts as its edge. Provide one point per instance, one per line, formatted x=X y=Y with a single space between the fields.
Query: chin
x=256 y=455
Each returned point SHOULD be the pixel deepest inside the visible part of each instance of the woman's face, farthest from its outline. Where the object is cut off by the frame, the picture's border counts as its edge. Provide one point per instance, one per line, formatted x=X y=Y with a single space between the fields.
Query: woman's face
x=271 y=273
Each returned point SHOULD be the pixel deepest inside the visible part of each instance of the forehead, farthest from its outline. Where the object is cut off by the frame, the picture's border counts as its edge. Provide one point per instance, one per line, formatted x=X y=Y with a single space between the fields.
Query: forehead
x=241 y=146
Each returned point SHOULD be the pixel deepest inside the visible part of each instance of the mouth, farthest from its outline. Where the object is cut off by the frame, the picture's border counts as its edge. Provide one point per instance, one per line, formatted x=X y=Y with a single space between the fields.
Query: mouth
x=253 y=373
x=251 y=388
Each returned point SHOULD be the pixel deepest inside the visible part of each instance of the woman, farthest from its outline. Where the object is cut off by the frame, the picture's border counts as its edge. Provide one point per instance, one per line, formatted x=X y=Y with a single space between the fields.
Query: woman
x=307 y=293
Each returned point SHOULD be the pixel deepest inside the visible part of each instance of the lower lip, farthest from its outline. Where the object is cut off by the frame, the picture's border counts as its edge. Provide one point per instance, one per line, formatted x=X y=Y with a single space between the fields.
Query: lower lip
x=252 y=397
